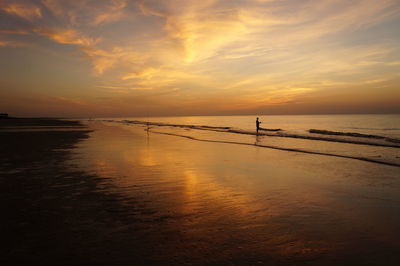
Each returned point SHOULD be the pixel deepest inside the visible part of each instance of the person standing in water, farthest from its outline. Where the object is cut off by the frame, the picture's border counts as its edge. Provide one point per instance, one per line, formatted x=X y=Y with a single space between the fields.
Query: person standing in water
x=258 y=124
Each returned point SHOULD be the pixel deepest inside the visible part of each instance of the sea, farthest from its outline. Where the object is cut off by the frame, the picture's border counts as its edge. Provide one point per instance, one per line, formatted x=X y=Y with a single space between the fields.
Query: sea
x=376 y=124
x=304 y=189
x=374 y=138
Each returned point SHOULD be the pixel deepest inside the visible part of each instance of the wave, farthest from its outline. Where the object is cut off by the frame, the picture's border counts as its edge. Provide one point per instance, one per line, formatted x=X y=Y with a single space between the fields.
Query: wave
x=200 y=127
x=386 y=156
x=360 y=158
x=324 y=135
x=270 y=129
x=369 y=128
x=352 y=134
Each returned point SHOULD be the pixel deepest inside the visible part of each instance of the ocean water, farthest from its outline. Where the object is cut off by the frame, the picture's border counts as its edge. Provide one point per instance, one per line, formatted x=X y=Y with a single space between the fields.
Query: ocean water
x=209 y=190
x=373 y=138
x=385 y=125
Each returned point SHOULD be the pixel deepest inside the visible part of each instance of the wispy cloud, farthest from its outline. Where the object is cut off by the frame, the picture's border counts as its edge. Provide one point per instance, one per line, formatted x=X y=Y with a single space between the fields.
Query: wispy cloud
x=114 y=12
x=26 y=11
x=145 y=73
x=84 y=12
x=105 y=59
x=67 y=36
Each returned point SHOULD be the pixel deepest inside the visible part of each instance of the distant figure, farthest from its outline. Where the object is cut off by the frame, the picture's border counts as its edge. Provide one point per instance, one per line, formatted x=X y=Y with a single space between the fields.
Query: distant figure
x=258 y=124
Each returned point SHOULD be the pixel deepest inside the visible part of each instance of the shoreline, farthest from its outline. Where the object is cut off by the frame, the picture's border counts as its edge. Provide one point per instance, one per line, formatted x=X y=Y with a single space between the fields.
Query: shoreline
x=282 y=149
x=100 y=194
x=279 y=133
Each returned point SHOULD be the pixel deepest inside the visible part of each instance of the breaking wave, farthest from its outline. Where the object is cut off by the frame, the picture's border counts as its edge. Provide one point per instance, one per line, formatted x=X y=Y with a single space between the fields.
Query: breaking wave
x=385 y=151
x=360 y=158
x=315 y=134
x=352 y=134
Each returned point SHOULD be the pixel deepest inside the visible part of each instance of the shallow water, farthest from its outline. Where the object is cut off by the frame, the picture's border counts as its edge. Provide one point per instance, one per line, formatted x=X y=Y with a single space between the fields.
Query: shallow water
x=385 y=125
x=374 y=138
x=205 y=202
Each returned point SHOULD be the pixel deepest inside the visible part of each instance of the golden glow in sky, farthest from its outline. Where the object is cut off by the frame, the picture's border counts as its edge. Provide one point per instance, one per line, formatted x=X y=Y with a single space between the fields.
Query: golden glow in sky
x=187 y=57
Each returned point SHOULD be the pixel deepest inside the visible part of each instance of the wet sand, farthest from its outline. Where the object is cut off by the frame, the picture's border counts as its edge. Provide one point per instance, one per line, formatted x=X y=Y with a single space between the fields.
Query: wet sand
x=124 y=196
x=52 y=213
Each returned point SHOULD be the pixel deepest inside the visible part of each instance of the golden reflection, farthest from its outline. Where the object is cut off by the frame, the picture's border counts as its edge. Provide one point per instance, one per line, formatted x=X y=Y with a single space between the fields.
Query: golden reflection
x=101 y=166
x=191 y=183
x=211 y=191
x=145 y=158
x=201 y=185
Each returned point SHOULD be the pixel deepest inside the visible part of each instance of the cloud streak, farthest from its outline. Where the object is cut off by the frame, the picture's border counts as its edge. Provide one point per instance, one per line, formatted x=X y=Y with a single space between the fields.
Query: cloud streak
x=67 y=36
x=26 y=11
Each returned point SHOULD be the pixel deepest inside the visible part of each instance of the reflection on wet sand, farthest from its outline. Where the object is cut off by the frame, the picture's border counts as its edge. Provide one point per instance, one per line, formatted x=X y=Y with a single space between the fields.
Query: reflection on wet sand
x=240 y=204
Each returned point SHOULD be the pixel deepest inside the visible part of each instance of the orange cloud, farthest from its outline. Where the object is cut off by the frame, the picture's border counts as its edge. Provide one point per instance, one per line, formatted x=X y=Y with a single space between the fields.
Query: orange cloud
x=25 y=11
x=67 y=36
x=105 y=59
x=83 y=11
x=114 y=13
x=107 y=18
x=145 y=73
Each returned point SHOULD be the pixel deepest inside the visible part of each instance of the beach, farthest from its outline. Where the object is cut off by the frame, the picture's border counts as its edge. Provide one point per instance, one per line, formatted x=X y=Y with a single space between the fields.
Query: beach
x=105 y=193
x=217 y=132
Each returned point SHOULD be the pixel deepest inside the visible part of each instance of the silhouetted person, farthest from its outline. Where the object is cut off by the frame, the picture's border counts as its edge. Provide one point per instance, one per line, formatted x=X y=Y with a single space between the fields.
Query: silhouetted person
x=258 y=124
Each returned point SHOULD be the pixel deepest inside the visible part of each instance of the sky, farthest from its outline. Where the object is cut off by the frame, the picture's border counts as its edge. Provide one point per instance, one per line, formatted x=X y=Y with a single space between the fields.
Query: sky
x=104 y=58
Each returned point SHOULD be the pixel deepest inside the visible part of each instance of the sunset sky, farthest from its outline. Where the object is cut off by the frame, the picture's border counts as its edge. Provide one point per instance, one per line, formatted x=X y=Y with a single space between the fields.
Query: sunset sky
x=199 y=57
